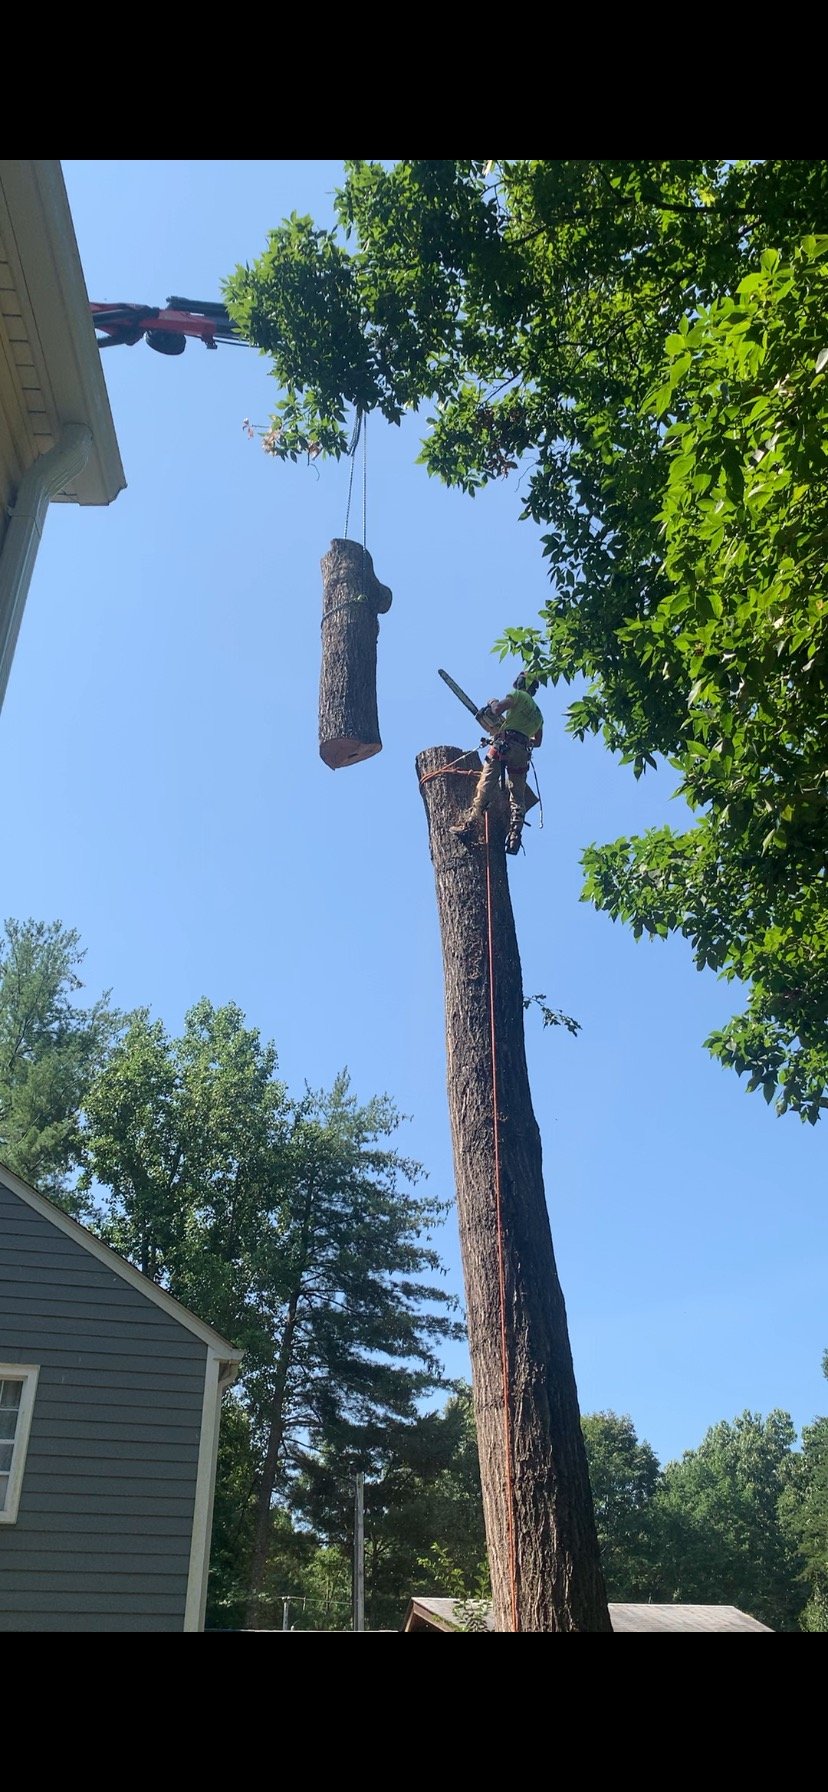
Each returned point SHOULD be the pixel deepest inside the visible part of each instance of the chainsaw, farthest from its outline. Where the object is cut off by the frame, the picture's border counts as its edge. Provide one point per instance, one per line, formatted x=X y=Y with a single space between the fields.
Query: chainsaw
x=484 y=716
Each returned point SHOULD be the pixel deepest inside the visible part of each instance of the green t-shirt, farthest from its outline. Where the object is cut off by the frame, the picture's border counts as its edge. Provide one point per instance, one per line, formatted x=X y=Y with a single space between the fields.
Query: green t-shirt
x=523 y=714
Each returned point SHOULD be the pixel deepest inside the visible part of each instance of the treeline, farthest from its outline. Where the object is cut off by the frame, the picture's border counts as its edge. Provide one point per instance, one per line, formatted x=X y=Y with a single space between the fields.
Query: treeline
x=291 y=1224
x=741 y=1520
x=295 y=1227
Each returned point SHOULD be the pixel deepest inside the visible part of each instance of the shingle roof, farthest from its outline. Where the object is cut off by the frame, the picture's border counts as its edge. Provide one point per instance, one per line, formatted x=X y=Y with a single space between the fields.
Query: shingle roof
x=624 y=1617
x=682 y=1617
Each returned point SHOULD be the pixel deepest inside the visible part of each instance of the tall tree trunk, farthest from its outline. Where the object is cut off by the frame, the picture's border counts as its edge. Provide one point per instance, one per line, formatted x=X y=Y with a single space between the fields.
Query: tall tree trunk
x=352 y=599
x=264 y=1497
x=545 y=1558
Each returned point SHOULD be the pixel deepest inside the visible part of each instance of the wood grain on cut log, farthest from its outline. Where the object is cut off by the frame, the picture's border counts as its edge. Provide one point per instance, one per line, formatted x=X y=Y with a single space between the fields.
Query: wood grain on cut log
x=560 y=1585
x=352 y=600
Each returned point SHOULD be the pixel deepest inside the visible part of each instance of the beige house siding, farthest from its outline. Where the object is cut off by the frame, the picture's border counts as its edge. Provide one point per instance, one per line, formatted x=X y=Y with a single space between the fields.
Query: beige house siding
x=51 y=379
x=28 y=425
x=20 y=389
x=50 y=367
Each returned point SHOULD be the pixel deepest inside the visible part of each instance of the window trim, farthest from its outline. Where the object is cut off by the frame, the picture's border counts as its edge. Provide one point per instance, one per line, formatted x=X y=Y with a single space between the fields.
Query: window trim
x=28 y=1374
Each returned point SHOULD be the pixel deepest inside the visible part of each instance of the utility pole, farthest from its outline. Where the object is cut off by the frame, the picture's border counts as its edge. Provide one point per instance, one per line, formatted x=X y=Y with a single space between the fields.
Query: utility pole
x=359 y=1553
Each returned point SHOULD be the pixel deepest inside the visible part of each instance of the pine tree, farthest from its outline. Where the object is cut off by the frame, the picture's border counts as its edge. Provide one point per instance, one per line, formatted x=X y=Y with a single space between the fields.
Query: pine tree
x=291 y=1225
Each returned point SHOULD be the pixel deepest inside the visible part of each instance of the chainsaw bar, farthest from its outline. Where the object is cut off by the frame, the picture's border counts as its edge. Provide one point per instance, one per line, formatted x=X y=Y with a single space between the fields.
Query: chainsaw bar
x=458 y=692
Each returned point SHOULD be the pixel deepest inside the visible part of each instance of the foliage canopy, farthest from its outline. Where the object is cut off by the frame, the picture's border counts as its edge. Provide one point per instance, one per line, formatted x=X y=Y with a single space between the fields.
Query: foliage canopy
x=645 y=342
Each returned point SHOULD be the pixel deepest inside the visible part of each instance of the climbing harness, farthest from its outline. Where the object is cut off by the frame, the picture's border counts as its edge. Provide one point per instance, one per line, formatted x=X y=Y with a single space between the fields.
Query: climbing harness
x=509 y=738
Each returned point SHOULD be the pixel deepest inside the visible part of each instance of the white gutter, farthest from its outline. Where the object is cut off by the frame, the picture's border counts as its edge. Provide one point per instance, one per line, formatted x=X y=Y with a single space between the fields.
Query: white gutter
x=40 y=483
x=219 y=1373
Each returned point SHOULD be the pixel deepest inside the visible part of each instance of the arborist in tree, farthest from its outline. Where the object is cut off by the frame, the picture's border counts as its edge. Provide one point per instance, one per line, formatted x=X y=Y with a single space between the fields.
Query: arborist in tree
x=517 y=725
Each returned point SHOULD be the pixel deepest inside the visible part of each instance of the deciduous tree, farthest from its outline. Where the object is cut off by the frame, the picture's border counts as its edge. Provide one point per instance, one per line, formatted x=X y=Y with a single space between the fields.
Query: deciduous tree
x=723 y=1538
x=292 y=1225
x=51 y=1046
x=644 y=343
x=624 y=1474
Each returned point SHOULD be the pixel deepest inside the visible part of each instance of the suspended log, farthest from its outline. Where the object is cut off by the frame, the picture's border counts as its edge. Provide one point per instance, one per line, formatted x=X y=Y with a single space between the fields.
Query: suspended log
x=352 y=601
x=540 y=1524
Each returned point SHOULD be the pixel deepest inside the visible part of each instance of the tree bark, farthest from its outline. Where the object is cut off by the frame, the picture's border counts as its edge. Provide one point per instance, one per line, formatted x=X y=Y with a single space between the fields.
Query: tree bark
x=557 y=1577
x=352 y=600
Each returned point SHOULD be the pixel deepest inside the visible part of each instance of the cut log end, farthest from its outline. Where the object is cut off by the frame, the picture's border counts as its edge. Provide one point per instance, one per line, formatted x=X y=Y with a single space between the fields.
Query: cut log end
x=347 y=751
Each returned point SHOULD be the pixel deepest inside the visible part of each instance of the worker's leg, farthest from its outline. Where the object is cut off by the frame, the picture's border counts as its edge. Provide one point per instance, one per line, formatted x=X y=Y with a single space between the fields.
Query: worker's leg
x=517 y=794
x=486 y=786
x=517 y=804
x=484 y=790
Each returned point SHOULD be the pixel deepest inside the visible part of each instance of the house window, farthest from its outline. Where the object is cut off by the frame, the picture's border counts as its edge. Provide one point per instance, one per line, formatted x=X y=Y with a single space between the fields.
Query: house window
x=18 y=1382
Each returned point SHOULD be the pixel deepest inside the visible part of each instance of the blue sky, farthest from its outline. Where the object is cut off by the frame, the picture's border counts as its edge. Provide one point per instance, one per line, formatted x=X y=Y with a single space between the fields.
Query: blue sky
x=164 y=795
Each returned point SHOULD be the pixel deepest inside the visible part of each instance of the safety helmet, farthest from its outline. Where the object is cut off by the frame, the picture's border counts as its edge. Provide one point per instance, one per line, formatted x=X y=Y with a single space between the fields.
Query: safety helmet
x=522 y=683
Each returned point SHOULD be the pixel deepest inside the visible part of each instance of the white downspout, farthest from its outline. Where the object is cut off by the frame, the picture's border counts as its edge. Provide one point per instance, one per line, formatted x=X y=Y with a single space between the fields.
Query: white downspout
x=49 y=474
x=218 y=1375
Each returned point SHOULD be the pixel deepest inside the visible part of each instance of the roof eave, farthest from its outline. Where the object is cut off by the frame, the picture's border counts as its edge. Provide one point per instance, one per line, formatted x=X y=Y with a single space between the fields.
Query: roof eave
x=227 y=1353
x=47 y=252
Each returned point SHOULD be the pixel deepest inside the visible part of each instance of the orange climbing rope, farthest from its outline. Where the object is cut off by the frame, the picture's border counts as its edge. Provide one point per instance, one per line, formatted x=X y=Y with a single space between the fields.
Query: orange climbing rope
x=459 y=772
x=501 y=1266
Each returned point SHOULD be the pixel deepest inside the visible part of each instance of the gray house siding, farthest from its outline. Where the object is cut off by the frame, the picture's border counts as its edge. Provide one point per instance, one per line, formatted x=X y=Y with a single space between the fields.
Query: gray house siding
x=103 y=1532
